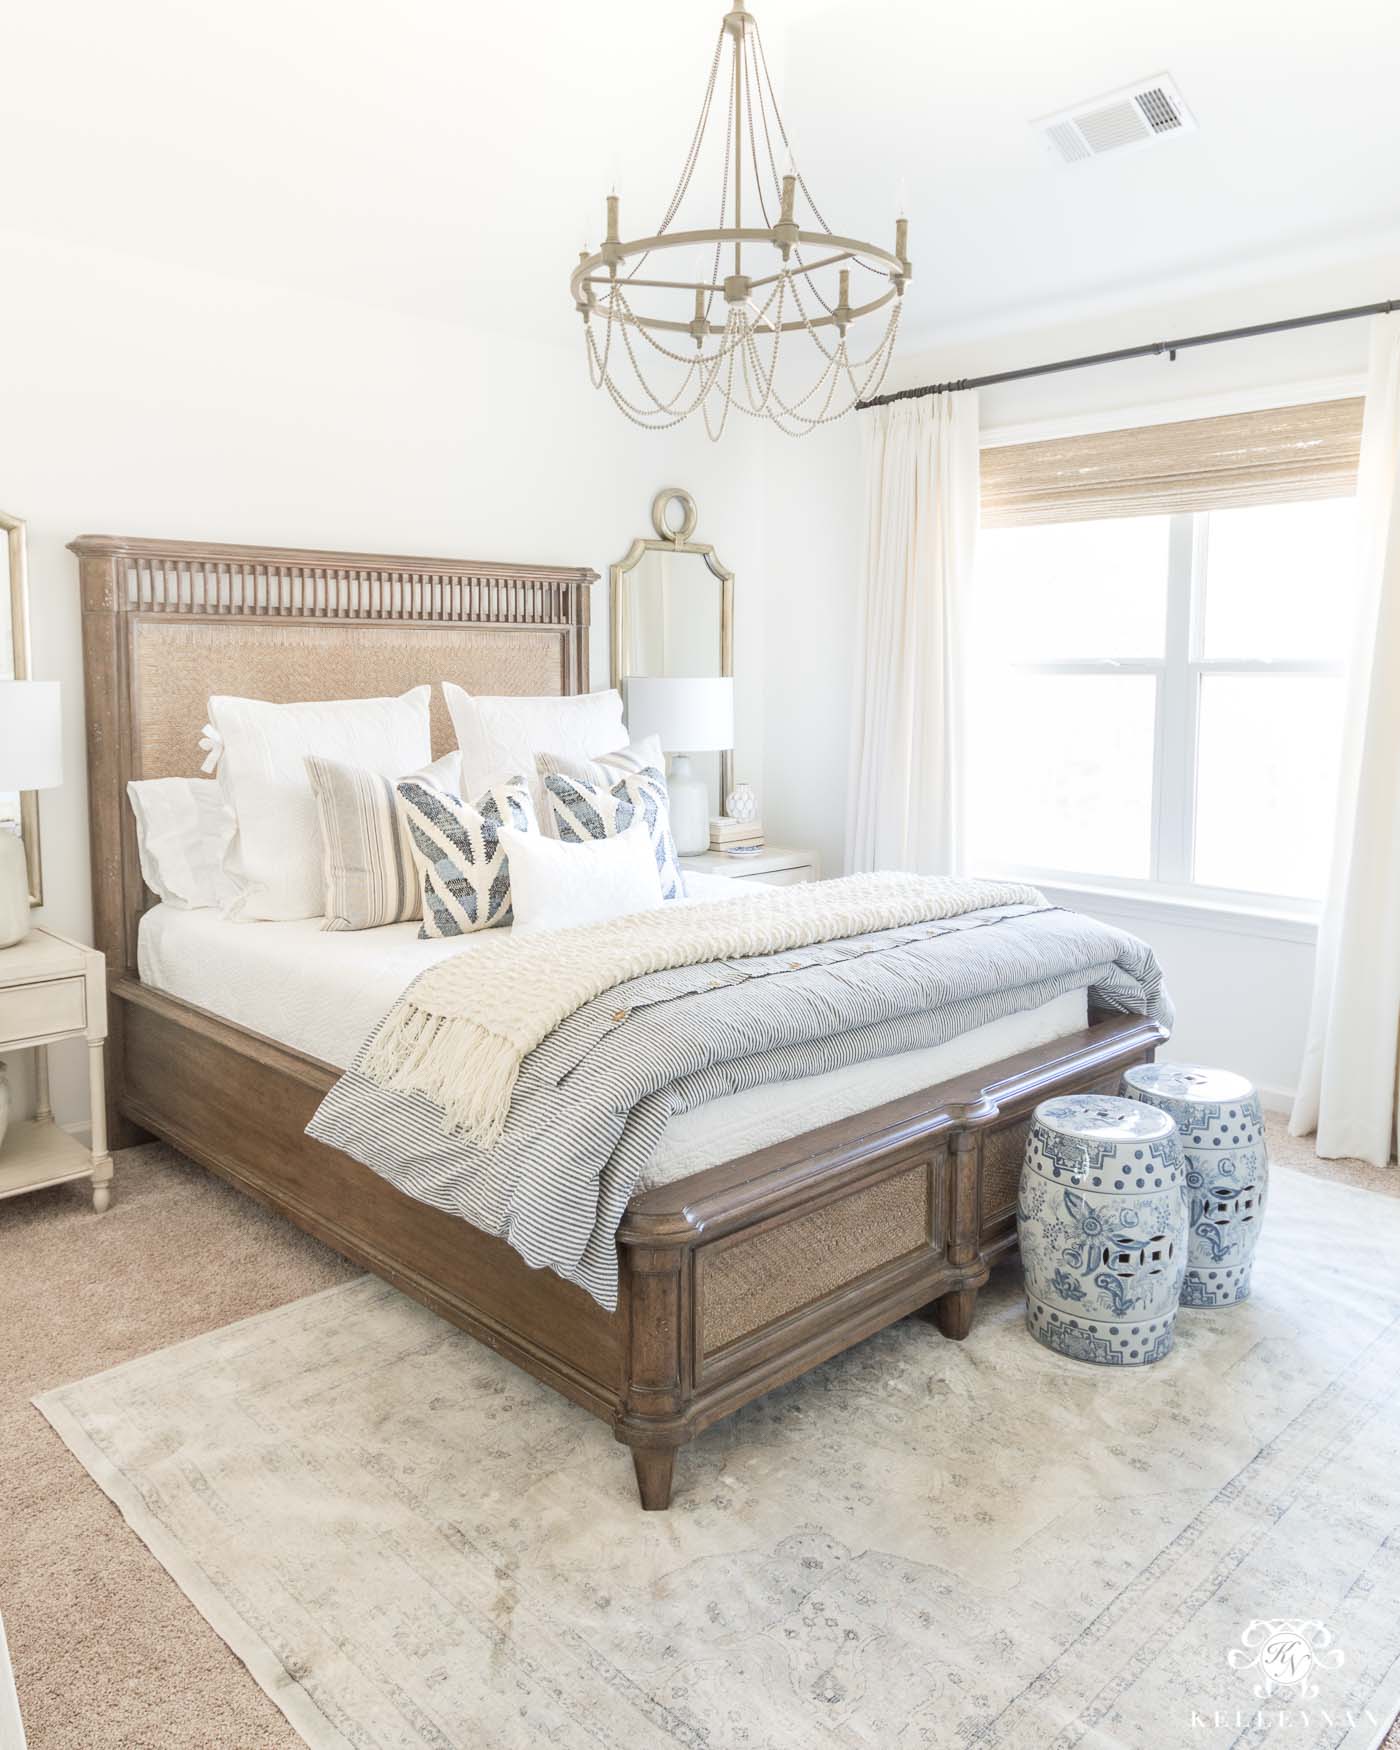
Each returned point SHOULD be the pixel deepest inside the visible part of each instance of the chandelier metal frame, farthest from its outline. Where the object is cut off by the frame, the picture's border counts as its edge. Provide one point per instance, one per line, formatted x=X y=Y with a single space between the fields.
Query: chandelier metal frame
x=758 y=310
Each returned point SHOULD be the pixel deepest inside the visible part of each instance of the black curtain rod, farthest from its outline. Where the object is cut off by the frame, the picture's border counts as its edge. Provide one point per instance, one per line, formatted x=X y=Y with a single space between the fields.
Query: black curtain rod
x=1153 y=349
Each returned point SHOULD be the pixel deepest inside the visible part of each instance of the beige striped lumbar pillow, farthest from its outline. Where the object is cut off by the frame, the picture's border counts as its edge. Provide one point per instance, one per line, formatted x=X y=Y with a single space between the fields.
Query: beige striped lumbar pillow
x=369 y=873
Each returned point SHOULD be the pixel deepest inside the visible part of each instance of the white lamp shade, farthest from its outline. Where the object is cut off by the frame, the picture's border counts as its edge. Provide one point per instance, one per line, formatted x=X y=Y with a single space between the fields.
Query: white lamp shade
x=31 y=736
x=688 y=716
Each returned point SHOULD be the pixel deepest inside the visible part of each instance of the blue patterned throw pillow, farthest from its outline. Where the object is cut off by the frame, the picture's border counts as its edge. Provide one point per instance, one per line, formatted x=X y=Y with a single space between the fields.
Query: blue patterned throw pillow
x=582 y=810
x=457 y=847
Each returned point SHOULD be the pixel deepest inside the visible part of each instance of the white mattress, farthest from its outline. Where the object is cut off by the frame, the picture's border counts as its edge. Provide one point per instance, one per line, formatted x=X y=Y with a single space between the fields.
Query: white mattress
x=321 y=991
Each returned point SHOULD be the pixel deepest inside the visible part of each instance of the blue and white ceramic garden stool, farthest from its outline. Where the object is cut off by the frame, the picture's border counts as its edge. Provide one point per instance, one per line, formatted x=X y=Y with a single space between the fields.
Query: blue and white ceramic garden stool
x=1102 y=1225
x=1221 y=1127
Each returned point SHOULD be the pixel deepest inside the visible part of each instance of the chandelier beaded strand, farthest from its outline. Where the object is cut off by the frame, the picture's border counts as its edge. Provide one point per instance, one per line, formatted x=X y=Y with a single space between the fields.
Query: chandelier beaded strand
x=733 y=363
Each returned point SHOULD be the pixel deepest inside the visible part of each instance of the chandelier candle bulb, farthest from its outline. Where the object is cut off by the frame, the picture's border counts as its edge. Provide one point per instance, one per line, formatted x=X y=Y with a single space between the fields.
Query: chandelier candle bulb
x=785 y=231
x=843 y=301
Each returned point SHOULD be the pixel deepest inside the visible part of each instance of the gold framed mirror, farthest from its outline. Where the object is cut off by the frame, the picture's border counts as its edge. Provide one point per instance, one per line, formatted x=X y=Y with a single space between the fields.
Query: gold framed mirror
x=18 y=807
x=673 y=613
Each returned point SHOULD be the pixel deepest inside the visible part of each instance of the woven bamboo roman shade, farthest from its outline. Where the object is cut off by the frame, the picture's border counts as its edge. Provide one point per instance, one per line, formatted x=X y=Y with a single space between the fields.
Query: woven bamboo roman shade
x=1270 y=457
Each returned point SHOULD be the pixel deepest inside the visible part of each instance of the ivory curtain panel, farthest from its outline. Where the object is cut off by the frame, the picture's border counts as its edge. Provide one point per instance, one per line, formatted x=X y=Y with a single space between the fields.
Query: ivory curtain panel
x=1348 y=1087
x=922 y=512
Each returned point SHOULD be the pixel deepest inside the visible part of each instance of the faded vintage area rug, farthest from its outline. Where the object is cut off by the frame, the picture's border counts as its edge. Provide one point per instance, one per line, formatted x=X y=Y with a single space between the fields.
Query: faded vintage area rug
x=923 y=1544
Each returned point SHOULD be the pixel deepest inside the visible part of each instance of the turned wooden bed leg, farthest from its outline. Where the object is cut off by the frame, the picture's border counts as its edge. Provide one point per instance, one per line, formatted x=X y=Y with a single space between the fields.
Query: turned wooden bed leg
x=656 y=1371
x=655 y=1467
x=953 y=1313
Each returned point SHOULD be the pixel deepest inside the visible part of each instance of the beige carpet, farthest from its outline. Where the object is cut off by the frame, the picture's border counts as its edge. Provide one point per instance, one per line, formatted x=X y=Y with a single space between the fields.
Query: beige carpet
x=108 y=1652
x=762 y=1506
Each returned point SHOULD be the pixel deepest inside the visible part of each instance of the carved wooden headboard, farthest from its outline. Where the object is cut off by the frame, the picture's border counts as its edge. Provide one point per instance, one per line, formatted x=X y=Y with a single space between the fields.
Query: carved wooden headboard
x=167 y=623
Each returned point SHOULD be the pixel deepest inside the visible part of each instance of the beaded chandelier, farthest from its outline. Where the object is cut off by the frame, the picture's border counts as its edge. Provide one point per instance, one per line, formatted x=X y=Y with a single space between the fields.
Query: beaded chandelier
x=727 y=330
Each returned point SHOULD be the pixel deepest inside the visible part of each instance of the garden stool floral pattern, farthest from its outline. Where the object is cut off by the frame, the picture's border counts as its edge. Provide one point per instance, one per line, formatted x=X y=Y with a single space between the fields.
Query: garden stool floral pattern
x=1221 y=1128
x=1102 y=1225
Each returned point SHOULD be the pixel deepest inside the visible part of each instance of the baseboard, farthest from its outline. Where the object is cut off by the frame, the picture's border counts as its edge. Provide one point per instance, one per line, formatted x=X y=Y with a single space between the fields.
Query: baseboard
x=81 y=1129
x=1276 y=1100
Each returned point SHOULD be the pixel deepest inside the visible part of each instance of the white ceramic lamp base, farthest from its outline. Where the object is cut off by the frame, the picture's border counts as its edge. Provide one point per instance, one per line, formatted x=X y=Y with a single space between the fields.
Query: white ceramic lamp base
x=690 y=808
x=14 y=889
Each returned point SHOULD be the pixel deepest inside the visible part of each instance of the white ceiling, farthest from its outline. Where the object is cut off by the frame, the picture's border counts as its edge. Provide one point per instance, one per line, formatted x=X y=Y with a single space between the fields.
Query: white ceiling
x=444 y=159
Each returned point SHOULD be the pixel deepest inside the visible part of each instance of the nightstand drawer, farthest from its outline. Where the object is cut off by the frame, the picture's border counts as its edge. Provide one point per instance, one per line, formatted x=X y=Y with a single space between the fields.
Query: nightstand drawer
x=34 y=1011
x=783 y=877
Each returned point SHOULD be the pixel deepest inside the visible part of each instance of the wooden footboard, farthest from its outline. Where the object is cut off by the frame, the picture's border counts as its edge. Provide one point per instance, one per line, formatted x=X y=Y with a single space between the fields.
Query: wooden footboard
x=732 y=1281
x=747 y=1275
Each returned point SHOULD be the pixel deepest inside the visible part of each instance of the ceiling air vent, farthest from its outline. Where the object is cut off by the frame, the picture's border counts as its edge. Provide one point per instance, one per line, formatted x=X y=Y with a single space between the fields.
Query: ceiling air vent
x=1135 y=116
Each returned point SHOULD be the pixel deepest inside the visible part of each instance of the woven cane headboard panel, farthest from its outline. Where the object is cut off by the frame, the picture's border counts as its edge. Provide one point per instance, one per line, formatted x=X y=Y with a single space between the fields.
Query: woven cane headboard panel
x=177 y=664
x=167 y=623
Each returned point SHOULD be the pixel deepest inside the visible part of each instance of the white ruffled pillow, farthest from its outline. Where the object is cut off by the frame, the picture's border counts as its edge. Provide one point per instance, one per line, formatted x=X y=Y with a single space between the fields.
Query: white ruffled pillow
x=183 y=831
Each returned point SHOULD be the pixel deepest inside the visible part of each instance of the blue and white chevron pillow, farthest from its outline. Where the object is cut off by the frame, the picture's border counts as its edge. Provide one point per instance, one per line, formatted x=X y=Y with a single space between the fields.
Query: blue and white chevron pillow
x=581 y=810
x=457 y=847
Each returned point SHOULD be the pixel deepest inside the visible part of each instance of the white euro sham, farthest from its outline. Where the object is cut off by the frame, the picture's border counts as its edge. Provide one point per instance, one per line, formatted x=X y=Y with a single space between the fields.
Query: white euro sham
x=276 y=856
x=501 y=737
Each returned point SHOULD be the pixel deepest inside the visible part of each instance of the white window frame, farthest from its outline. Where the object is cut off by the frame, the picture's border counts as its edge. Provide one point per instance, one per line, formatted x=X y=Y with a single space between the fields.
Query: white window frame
x=1178 y=673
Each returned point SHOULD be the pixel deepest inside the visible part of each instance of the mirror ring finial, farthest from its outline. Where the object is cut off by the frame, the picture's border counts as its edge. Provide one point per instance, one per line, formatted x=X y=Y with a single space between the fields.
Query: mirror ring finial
x=662 y=503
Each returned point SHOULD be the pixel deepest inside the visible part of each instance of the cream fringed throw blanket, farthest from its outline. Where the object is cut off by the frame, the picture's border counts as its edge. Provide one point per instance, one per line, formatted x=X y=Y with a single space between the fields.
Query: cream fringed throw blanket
x=459 y=1034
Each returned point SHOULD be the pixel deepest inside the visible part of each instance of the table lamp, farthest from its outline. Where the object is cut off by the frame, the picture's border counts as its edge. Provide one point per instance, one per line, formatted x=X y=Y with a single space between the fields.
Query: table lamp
x=31 y=758
x=687 y=716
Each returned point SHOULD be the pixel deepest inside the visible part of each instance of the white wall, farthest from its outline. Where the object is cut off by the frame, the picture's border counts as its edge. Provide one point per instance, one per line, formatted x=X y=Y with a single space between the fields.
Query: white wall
x=1242 y=993
x=812 y=539
x=150 y=400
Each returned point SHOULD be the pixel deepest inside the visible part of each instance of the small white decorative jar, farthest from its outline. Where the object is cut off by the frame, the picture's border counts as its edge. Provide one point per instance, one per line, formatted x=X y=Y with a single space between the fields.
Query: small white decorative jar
x=1221 y=1126
x=1102 y=1226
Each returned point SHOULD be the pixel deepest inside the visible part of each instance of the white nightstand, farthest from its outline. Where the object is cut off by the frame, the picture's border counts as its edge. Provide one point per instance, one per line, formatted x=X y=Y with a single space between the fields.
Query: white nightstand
x=778 y=865
x=51 y=988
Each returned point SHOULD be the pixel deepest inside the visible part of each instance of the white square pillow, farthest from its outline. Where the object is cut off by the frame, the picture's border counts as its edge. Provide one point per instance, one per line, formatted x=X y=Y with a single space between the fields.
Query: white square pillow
x=500 y=737
x=554 y=886
x=183 y=832
x=276 y=855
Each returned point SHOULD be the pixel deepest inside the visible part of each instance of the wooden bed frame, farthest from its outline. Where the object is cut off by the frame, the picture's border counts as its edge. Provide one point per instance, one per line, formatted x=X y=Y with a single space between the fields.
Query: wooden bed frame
x=734 y=1280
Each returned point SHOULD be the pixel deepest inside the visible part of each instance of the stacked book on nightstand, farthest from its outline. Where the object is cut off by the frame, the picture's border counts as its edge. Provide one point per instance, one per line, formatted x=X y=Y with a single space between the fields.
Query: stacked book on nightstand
x=736 y=838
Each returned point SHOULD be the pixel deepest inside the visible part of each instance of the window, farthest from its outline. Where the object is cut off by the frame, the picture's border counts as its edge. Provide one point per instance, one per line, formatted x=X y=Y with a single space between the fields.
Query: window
x=1157 y=699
